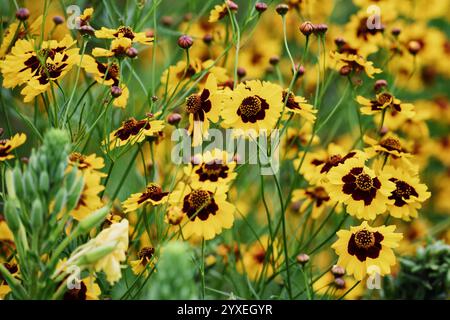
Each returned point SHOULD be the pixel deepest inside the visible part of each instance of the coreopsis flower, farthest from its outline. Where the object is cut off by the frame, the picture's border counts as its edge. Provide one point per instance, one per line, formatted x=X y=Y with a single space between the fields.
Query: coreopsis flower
x=364 y=192
x=89 y=200
x=134 y=131
x=440 y=148
x=17 y=30
x=409 y=193
x=145 y=260
x=317 y=197
x=214 y=167
x=203 y=107
x=124 y=32
x=218 y=13
x=84 y=18
x=153 y=195
x=87 y=289
x=118 y=49
x=108 y=75
x=8 y=145
x=37 y=69
x=396 y=112
x=253 y=105
x=90 y=163
x=338 y=286
x=390 y=145
x=347 y=63
x=298 y=105
x=207 y=211
x=13 y=269
x=5 y=232
x=257 y=261
x=366 y=250
x=316 y=165
x=117 y=237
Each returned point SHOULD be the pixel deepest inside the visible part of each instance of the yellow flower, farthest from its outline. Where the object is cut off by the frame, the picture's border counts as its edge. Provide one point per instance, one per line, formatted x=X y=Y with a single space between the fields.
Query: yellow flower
x=117 y=235
x=409 y=194
x=298 y=138
x=253 y=105
x=211 y=168
x=326 y=285
x=144 y=262
x=90 y=163
x=203 y=107
x=118 y=48
x=207 y=211
x=133 y=131
x=218 y=13
x=5 y=232
x=88 y=290
x=17 y=31
x=89 y=200
x=366 y=250
x=298 y=105
x=37 y=69
x=7 y=145
x=124 y=32
x=257 y=261
x=153 y=194
x=353 y=63
x=365 y=193
x=317 y=197
x=84 y=18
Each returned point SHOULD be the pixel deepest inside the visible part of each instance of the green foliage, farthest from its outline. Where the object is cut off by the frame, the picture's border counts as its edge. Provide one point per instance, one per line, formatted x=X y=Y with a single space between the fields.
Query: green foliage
x=424 y=276
x=175 y=276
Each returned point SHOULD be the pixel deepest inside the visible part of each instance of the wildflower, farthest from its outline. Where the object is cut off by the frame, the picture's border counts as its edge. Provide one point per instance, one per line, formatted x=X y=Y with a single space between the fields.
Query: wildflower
x=83 y=19
x=90 y=163
x=389 y=145
x=364 y=249
x=353 y=63
x=206 y=210
x=88 y=290
x=408 y=196
x=145 y=260
x=365 y=193
x=307 y=28
x=115 y=240
x=153 y=194
x=89 y=200
x=257 y=261
x=8 y=145
x=212 y=167
x=16 y=31
x=302 y=259
x=317 y=164
x=317 y=197
x=124 y=32
x=298 y=105
x=252 y=105
x=220 y=11
x=202 y=108
x=134 y=131
x=118 y=49
x=185 y=42
x=38 y=69
x=260 y=7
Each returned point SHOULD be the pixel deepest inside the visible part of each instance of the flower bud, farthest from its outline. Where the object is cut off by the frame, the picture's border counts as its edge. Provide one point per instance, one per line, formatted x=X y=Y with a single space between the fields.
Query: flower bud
x=167 y=21
x=379 y=85
x=261 y=7
x=22 y=14
x=93 y=220
x=339 y=283
x=307 y=28
x=187 y=17
x=320 y=29
x=396 y=32
x=96 y=254
x=131 y=52
x=282 y=9
x=37 y=214
x=302 y=259
x=44 y=181
x=337 y=271
x=185 y=42
x=116 y=91
x=232 y=5
x=300 y=70
x=339 y=42
x=241 y=72
x=154 y=98
x=12 y=215
x=345 y=71
x=274 y=60
x=207 y=38
x=58 y=20
x=86 y=30
x=174 y=118
x=414 y=47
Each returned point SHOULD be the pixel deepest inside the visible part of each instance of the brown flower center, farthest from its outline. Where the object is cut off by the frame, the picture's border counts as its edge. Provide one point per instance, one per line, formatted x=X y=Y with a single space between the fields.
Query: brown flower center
x=127 y=32
x=250 y=106
x=335 y=159
x=364 y=182
x=364 y=239
x=199 y=199
x=146 y=252
x=193 y=103
x=391 y=144
x=384 y=98
x=76 y=156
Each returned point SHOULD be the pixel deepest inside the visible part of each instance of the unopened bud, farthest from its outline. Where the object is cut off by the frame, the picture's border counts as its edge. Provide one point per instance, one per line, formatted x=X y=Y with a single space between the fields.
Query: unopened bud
x=339 y=283
x=167 y=21
x=58 y=20
x=260 y=7
x=86 y=30
x=116 y=91
x=307 y=28
x=174 y=119
x=396 y=32
x=379 y=85
x=232 y=5
x=185 y=42
x=339 y=42
x=241 y=72
x=274 y=60
x=132 y=52
x=302 y=259
x=345 y=71
x=337 y=271
x=414 y=47
x=207 y=38
x=320 y=29
x=22 y=14
x=282 y=9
